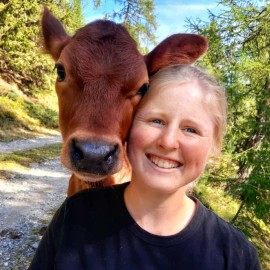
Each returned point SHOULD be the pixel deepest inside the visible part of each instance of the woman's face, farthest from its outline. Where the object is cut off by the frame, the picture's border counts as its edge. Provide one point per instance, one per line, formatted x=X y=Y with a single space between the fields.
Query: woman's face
x=171 y=137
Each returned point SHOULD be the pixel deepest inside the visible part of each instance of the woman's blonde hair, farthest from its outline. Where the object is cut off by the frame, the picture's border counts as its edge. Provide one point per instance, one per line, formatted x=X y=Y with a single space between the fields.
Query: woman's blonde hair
x=215 y=94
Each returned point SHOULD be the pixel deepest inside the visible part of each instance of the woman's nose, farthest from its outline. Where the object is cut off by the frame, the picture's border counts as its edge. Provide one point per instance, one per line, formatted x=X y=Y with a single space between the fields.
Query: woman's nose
x=169 y=138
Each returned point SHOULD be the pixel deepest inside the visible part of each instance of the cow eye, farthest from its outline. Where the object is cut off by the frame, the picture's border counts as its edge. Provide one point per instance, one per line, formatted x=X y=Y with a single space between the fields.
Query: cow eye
x=143 y=90
x=61 y=74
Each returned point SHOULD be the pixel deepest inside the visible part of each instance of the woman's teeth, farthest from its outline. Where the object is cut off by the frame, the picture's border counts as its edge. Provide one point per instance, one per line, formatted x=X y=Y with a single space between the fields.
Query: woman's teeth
x=164 y=163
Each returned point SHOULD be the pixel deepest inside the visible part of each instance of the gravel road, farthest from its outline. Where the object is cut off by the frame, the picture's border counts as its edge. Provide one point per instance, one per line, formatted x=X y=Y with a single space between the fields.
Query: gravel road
x=27 y=201
x=9 y=147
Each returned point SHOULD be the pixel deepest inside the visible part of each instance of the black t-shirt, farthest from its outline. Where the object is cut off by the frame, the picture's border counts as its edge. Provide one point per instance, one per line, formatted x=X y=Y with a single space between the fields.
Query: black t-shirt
x=94 y=230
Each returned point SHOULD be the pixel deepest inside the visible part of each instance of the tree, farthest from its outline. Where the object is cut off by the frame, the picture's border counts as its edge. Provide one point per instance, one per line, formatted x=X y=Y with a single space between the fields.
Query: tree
x=20 y=53
x=239 y=53
x=139 y=19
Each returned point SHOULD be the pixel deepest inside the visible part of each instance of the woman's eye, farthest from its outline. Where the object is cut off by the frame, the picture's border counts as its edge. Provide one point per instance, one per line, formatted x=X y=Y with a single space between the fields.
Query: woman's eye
x=190 y=130
x=61 y=73
x=158 y=121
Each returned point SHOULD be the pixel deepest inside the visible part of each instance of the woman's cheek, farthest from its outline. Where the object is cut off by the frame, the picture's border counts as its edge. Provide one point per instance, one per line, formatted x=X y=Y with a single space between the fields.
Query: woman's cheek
x=196 y=150
x=135 y=138
x=140 y=132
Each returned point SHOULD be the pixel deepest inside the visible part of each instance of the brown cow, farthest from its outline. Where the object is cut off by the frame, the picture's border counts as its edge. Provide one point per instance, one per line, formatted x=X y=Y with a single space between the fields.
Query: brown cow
x=101 y=78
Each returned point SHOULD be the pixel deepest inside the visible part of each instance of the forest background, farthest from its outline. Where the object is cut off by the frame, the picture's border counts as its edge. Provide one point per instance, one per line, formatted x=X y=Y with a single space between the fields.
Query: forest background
x=236 y=185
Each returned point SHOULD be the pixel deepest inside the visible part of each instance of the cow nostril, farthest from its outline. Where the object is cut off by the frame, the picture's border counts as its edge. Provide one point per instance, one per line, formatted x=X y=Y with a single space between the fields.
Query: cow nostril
x=111 y=156
x=77 y=153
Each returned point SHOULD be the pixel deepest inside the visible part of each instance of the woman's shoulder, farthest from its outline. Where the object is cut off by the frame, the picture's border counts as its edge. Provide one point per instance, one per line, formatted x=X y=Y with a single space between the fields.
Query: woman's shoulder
x=223 y=230
x=220 y=237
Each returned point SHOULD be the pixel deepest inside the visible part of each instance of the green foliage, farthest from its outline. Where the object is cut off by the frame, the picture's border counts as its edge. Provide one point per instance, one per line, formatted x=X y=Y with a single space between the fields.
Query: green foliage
x=46 y=116
x=21 y=60
x=33 y=105
x=139 y=19
x=216 y=199
x=238 y=55
x=258 y=232
x=21 y=115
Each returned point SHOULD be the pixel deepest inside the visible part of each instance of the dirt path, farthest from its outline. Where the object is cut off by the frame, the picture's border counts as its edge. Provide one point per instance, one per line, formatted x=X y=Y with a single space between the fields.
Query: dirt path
x=27 y=201
x=9 y=147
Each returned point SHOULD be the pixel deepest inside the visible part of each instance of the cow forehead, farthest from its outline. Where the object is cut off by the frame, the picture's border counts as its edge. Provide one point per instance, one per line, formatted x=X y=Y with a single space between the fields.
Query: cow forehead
x=104 y=48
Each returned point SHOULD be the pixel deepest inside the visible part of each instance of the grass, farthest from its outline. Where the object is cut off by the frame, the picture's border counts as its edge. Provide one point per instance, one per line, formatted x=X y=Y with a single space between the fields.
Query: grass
x=23 y=117
x=21 y=160
x=217 y=200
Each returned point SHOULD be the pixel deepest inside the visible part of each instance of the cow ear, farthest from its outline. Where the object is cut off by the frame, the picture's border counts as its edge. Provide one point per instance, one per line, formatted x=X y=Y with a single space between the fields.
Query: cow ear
x=176 y=49
x=54 y=35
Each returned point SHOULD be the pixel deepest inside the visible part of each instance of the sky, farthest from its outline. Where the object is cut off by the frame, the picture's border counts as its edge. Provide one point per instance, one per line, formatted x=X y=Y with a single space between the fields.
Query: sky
x=171 y=14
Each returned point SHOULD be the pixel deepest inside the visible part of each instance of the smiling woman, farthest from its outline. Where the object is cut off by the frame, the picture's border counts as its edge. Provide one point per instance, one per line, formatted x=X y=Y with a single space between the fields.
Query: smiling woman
x=179 y=124
x=177 y=127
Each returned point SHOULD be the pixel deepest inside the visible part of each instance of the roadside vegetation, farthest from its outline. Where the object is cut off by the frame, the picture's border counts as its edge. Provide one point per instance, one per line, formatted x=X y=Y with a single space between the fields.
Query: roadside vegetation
x=24 y=117
x=21 y=160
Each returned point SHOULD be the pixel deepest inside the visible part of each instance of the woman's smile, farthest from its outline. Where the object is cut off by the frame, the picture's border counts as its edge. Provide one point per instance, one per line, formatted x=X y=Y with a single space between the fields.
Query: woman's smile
x=162 y=162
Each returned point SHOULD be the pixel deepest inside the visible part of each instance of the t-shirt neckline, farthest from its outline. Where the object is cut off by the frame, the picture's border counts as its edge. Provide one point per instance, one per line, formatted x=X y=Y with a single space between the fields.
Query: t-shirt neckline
x=170 y=240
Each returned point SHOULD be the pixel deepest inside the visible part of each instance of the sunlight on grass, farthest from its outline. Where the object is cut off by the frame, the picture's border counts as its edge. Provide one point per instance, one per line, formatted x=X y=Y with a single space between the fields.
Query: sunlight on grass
x=15 y=107
x=7 y=167
x=20 y=161
x=221 y=203
x=21 y=115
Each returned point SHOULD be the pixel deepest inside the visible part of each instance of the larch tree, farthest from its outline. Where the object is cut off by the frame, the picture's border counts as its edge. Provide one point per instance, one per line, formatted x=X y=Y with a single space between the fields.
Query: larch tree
x=239 y=55
x=21 y=60
x=138 y=16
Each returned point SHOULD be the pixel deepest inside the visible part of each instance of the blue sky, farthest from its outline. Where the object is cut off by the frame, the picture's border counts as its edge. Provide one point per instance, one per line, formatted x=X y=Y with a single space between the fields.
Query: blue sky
x=171 y=14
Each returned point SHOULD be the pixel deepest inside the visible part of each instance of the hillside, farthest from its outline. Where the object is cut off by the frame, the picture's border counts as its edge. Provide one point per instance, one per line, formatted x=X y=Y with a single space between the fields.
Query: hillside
x=23 y=116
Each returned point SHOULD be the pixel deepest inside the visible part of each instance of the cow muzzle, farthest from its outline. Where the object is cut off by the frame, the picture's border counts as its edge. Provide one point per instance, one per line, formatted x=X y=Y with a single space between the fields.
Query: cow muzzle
x=94 y=157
